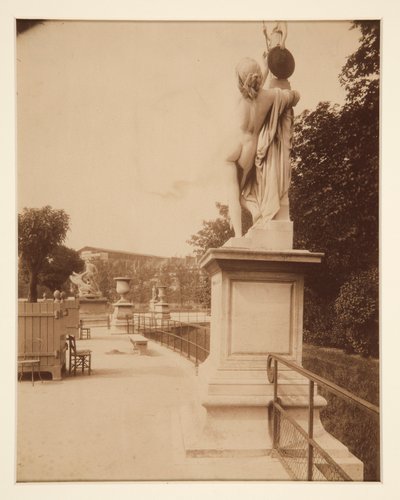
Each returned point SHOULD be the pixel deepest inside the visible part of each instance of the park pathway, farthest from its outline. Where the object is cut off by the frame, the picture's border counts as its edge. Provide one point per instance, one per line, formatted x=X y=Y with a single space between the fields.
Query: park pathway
x=120 y=424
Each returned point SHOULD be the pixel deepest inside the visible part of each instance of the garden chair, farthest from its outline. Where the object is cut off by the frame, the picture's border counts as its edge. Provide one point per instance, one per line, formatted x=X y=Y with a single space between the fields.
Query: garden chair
x=83 y=331
x=30 y=360
x=78 y=358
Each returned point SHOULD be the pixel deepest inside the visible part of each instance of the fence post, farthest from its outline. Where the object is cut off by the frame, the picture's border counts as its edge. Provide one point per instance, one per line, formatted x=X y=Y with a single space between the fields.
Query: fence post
x=275 y=411
x=195 y=345
x=310 y=432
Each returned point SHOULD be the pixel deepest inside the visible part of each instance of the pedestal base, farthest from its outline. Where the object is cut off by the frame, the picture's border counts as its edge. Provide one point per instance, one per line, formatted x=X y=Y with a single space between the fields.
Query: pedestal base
x=271 y=235
x=93 y=312
x=162 y=314
x=119 y=324
x=227 y=432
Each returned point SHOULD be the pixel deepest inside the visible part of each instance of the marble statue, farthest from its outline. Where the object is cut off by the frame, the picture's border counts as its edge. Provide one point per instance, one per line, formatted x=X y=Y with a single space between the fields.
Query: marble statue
x=87 y=281
x=257 y=171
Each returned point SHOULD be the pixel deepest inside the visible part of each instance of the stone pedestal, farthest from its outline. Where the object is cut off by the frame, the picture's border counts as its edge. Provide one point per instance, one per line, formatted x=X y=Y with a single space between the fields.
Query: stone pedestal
x=257 y=308
x=118 y=321
x=93 y=311
x=122 y=308
x=161 y=308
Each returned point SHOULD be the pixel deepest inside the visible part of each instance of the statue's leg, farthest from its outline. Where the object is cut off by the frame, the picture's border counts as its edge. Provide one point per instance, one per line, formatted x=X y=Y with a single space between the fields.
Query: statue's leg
x=235 y=210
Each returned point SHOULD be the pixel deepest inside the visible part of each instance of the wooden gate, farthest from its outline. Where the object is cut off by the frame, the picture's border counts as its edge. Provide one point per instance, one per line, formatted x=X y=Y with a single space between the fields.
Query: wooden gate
x=42 y=331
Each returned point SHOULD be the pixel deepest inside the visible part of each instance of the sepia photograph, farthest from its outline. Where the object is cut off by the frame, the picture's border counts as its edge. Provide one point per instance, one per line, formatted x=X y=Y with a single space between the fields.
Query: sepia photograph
x=198 y=250
x=199 y=275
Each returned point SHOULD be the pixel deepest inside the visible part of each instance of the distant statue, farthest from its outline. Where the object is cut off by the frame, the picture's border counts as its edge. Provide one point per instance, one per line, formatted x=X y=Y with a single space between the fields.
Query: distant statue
x=87 y=281
x=154 y=293
x=258 y=165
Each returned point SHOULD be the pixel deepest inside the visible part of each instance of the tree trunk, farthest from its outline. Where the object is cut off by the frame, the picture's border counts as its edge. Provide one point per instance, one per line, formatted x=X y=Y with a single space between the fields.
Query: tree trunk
x=33 y=281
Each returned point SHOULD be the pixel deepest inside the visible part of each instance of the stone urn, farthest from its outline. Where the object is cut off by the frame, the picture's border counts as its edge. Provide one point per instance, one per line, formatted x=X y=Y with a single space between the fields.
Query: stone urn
x=123 y=309
x=161 y=293
x=122 y=287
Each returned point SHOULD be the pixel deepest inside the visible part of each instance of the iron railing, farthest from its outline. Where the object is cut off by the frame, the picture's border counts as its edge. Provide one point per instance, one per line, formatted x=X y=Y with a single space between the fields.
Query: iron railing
x=301 y=455
x=188 y=339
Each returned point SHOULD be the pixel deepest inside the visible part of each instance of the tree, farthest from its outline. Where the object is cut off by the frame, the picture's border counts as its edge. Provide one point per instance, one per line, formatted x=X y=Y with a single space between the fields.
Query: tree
x=335 y=178
x=334 y=195
x=59 y=266
x=215 y=233
x=55 y=272
x=40 y=231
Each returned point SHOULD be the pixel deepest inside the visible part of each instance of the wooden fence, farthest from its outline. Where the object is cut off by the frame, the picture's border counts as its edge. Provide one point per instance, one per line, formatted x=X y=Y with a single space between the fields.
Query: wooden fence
x=42 y=331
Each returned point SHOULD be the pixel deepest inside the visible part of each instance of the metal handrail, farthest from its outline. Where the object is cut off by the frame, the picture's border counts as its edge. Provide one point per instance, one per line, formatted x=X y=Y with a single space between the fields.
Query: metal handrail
x=322 y=382
x=272 y=372
x=175 y=324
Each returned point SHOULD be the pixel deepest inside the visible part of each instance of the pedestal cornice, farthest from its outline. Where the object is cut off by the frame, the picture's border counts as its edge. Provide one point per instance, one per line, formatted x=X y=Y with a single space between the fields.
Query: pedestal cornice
x=231 y=259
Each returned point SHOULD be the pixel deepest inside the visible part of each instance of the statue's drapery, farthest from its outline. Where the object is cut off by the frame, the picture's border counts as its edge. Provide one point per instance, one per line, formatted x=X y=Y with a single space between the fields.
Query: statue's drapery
x=269 y=180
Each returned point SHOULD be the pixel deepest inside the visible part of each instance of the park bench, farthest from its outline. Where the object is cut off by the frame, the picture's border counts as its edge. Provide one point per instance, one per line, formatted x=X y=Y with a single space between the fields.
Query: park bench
x=139 y=343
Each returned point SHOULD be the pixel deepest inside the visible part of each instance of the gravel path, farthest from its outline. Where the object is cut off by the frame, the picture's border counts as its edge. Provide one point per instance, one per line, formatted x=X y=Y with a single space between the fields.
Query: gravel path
x=121 y=423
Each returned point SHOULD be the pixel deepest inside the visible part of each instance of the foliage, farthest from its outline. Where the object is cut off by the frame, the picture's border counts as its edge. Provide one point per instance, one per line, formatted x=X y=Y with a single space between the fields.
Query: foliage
x=353 y=427
x=186 y=282
x=203 y=293
x=215 y=233
x=140 y=273
x=40 y=231
x=319 y=320
x=357 y=312
x=182 y=280
x=335 y=180
x=59 y=266
x=55 y=272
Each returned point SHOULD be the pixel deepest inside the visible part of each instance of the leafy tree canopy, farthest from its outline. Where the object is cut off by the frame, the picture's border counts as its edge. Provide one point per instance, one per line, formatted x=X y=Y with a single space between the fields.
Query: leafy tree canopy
x=40 y=231
x=334 y=192
x=215 y=233
x=59 y=266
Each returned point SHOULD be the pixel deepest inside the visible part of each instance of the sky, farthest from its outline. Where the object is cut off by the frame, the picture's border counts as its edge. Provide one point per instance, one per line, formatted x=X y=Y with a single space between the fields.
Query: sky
x=123 y=124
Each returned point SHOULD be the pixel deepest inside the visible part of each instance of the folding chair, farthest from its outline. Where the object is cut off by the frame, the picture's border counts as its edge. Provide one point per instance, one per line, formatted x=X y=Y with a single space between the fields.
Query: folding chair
x=78 y=358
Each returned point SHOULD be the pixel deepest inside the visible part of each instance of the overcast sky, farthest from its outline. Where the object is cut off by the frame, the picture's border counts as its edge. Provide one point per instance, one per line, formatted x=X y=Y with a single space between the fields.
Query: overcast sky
x=123 y=124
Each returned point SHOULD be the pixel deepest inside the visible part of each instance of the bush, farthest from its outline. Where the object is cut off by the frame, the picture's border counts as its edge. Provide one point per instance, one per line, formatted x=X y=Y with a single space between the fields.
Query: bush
x=357 y=313
x=355 y=428
x=318 y=319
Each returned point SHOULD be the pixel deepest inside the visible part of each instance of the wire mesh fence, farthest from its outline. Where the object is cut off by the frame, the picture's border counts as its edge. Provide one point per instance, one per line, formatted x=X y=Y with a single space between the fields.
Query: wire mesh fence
x=303 y=459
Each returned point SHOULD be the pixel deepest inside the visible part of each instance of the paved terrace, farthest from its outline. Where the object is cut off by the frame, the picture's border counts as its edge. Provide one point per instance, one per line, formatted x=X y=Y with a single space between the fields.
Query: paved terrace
x=121 y=423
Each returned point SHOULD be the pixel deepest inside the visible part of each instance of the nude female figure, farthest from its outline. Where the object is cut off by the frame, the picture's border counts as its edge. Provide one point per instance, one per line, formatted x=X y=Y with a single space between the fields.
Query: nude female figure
x=254 y=106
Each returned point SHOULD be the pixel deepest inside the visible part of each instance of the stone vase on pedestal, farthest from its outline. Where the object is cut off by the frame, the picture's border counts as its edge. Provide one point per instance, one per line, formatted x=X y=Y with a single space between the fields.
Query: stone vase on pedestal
x=123 y=308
